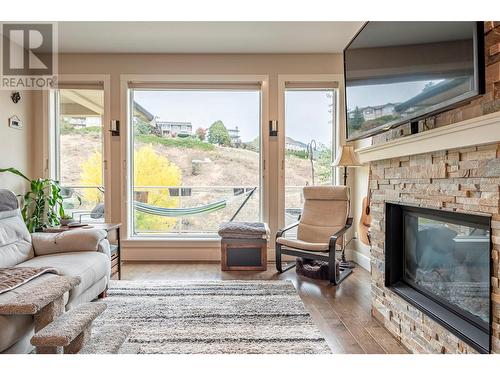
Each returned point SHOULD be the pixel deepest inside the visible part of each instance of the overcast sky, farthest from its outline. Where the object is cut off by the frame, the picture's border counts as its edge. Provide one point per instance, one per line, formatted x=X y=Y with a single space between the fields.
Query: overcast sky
x=308 y=116
x=307 y=113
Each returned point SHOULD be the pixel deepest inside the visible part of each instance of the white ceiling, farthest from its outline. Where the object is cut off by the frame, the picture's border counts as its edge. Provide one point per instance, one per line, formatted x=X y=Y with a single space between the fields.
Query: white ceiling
x=381 y=34
x=205 y=37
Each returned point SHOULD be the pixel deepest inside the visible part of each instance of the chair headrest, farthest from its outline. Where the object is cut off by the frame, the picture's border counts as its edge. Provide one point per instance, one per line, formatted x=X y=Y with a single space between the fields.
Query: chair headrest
x=8 y=200
x=327 y=193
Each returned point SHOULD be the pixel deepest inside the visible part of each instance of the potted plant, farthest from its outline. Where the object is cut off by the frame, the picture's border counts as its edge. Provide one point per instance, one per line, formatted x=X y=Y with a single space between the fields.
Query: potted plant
x=42 y=204
x=66 y=219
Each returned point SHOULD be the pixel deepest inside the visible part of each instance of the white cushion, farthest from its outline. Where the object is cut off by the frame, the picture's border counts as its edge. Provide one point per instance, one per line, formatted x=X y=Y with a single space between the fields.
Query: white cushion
x=13 y=328
x=68 y=241
x=302 y=245
x=90 y=266
x=90 y=294
x=325 y=213
x=15 y=241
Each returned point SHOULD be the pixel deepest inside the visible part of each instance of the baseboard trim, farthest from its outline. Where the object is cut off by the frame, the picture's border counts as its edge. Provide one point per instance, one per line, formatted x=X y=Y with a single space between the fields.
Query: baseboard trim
x=361 y=259
x=171 y=254
x=209 y=254
x=176 y=254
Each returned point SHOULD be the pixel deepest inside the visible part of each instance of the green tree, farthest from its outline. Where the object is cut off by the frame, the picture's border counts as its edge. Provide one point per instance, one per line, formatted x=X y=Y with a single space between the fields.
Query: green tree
x=201 y=134
x=357 y=119
x=142 y=127
x=324 y=168
x=218 y=134
x=254 y=145
x=65 y=127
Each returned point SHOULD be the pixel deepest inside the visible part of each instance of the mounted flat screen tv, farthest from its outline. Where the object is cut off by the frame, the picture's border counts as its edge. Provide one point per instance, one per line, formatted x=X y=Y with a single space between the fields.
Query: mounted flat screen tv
x=398 y=72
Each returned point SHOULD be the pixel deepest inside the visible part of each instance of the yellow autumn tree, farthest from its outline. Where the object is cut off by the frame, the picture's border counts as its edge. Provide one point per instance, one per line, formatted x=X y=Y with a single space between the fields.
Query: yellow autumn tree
x=92 y=175
x=150 y=169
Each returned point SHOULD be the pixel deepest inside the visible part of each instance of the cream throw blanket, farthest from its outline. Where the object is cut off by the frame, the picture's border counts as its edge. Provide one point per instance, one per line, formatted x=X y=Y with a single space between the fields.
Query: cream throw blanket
x=11 y=278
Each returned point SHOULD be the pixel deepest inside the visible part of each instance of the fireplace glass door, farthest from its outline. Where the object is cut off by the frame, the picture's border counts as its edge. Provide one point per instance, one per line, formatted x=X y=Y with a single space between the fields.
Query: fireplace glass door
x=448 y=261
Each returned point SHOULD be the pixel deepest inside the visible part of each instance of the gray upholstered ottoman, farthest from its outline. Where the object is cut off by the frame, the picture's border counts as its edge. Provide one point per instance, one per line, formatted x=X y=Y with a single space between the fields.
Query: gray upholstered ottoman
x=243 y=246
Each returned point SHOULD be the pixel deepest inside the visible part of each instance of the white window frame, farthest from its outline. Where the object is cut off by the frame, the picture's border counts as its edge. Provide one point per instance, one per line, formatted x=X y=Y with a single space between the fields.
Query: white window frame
x=196 y=81
x=308 y=81
x=49 y=134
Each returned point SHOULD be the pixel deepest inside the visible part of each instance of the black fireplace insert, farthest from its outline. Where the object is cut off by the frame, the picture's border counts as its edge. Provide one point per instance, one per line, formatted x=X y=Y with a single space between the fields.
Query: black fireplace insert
x=440 y=262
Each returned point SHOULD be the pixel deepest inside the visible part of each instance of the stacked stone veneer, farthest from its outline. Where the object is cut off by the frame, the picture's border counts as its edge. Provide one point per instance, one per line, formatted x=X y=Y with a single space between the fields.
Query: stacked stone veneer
x=462 y=180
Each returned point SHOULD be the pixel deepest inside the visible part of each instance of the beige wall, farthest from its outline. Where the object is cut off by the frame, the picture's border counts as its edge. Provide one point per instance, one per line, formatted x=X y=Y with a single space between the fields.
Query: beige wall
x=359 y=187
x=266 y=64
x=357 y=251
x=15 y=145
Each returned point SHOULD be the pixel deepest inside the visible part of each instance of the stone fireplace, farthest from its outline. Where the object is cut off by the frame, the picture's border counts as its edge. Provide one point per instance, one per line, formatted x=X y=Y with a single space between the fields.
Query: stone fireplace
x=439 y=262
x=451 y=167
x=441 y=209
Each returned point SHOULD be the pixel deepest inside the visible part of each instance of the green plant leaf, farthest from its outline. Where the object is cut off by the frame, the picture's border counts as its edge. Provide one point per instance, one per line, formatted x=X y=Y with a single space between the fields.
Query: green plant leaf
x=43 y=204
x=14 y=171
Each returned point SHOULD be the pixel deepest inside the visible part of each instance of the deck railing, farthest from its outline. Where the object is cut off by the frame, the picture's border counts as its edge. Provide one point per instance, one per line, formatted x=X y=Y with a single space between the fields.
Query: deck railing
x=81 y=201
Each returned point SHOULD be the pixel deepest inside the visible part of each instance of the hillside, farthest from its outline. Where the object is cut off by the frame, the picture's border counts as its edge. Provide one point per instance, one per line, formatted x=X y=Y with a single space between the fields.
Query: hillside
x=220 y=166
x=224 y=165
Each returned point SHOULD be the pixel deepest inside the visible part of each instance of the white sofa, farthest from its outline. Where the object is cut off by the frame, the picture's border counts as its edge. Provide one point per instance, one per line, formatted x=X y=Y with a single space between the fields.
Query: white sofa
x=80 y=252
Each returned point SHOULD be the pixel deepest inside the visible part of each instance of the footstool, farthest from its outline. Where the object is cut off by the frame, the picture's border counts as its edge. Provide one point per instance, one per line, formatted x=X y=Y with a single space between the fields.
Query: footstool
x=244 y=246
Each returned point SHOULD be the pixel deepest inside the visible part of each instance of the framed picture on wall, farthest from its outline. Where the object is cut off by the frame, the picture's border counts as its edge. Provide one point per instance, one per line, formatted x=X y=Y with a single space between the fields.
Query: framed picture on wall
x=15 y=122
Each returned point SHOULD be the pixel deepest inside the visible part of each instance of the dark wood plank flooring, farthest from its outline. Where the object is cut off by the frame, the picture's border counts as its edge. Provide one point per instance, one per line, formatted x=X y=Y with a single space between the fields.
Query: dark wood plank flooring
x=341 y=313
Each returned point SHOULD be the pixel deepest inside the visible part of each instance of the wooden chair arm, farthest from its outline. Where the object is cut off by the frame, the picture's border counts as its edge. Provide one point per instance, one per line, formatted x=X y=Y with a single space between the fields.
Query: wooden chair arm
x=336 y=236
x=280 y=232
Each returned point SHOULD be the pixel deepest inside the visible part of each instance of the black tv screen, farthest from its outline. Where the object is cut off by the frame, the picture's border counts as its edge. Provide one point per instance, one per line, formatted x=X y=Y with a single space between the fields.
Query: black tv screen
x=397 y=72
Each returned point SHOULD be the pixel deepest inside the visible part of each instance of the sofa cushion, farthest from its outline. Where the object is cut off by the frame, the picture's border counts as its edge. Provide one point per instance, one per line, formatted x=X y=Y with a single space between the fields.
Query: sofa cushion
x=14 y=328
x=8 y=201
x=90 y=266
x=90 y=294
x=15 y=240
x=68 y=241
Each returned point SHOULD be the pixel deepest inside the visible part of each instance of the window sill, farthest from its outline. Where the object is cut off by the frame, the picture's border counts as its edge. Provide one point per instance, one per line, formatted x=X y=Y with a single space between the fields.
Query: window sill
x=148 y=242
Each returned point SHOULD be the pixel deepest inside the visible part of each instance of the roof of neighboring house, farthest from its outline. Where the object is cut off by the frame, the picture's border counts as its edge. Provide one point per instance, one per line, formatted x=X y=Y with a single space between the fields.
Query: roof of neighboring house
x=375 y=107
x=235 y=133
x=431 y=91
x=178 y=123
x=291 y=141
x=143 y=112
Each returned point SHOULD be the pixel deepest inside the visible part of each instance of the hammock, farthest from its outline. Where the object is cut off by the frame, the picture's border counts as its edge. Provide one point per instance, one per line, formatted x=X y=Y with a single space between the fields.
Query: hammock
x=189 y=211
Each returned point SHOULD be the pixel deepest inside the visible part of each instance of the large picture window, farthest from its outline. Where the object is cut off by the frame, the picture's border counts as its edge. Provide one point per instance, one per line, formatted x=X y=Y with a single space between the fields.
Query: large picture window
x=78 y=151
x=309 y=141
x=195 y=159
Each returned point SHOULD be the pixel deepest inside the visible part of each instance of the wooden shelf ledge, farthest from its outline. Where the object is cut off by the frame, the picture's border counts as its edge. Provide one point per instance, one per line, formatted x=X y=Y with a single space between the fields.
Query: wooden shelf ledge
x=477 y=131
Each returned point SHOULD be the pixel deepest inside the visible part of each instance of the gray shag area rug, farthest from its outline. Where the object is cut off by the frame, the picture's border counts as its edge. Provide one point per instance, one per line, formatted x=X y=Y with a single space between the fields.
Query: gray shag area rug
x=184 y=317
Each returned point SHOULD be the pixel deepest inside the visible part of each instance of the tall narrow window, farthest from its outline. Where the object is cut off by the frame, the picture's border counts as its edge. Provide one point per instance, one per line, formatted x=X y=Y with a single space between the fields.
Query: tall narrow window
x=79 y=152
x=196 y=159
x=308 y=145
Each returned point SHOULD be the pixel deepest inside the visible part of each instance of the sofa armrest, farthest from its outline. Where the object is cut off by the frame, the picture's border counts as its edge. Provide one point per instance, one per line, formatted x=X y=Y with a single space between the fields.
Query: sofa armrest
x=104 y=247
x=68 y=241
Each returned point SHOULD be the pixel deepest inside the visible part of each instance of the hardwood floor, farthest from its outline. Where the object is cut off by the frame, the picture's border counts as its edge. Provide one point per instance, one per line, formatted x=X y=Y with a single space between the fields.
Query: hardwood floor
x=341 y=313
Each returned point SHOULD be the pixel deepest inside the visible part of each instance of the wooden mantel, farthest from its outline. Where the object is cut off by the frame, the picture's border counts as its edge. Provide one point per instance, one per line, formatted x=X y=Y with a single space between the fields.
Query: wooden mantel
x=477 y=131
